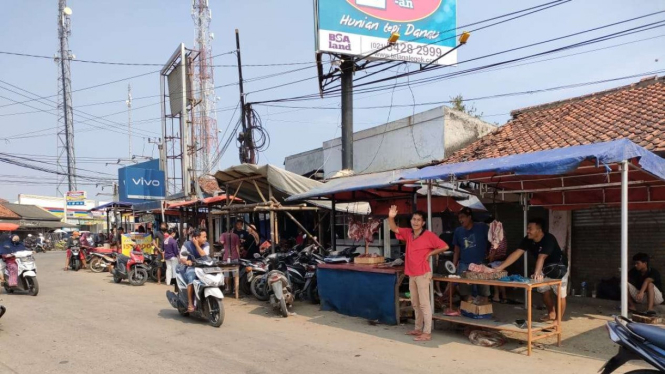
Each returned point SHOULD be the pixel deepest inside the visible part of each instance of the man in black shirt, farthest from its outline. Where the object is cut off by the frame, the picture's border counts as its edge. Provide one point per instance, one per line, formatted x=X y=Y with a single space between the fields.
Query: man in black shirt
x=644 y=284
x=544 y=247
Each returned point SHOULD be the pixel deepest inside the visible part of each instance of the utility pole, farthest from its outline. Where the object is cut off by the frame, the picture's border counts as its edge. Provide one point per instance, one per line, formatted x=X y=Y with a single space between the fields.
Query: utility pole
x=348 y=67
x=129 y=117
x=247 y=153
x=66 y=122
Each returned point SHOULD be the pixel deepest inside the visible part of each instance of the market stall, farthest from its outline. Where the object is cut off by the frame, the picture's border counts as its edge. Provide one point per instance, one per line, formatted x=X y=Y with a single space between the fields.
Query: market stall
x=609 y=174
x=372 y=291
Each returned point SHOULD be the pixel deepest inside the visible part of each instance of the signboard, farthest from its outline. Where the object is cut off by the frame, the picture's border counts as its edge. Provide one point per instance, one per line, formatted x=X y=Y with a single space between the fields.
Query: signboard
x=75 y=198
x=128 y=241
x=360 y=27
x=142 y=182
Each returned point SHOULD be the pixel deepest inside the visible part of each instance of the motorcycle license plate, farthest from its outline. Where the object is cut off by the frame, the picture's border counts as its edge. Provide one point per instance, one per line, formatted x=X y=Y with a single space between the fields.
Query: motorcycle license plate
x=212 y=270
x=309 y=275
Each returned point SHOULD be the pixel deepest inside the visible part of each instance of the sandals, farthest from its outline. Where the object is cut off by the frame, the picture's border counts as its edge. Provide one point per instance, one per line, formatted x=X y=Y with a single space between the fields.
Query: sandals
x=423 y=338
x=547 y=318
x=414 y=333
x=191 y=309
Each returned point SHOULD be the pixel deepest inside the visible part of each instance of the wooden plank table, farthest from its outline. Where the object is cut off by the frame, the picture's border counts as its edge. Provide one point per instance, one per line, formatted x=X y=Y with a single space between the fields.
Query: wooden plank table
x=534 y=331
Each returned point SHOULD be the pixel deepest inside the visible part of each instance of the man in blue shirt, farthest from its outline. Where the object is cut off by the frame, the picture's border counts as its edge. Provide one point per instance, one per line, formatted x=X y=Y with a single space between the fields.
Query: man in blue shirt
x=192 y=250
x=471 y=245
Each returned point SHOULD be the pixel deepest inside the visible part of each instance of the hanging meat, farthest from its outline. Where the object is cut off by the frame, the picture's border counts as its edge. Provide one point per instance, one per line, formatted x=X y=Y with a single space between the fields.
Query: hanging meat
x=359 y=230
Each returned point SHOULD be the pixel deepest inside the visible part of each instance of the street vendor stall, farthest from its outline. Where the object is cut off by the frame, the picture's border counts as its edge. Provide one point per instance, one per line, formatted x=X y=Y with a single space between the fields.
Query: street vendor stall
x=372 y=291
x=610 y=173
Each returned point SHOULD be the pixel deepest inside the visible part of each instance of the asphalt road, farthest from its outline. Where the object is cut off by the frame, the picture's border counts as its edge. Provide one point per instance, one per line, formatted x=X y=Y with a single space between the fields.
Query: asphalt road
x=84 y=323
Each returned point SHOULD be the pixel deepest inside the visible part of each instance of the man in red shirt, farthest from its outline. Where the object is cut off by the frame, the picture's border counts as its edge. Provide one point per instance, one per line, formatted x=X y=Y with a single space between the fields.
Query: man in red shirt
x=421 y=244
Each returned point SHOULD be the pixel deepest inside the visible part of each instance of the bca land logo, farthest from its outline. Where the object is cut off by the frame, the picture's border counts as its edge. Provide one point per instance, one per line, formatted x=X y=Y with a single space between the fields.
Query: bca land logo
x=397 y=10
x=339 y=42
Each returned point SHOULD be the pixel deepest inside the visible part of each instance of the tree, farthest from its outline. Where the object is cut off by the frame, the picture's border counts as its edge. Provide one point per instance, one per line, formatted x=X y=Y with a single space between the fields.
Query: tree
x=458 y=104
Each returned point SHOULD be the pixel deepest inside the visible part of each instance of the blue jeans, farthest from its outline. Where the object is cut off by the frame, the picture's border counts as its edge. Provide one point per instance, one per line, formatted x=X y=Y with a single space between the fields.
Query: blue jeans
x=188 y=273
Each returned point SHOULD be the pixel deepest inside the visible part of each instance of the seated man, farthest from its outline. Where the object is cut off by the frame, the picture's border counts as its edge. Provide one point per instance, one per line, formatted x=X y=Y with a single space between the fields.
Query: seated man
x=644 y=285
x=545 y=248
x=190 y=251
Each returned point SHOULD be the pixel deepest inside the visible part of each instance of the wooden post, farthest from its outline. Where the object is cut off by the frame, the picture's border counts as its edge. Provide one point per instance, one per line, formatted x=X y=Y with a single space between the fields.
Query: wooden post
x=272 y=222
x=228 y=202
x=318 y=216
x=302 y=227
x=333 y=213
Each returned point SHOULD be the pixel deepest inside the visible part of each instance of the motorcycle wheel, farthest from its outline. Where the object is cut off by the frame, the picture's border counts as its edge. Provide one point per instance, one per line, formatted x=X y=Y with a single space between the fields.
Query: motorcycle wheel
x=215 y=311
x=77 y=265
x=313 y=292
x=2 y=310
x=282 y=308
x=116 y=278
x=153 y=275
x=245 y=286
x=33 y=286
x=258 y=289
x=642 y=371
x=97 y=265
x=7 y=289
x=137 y=277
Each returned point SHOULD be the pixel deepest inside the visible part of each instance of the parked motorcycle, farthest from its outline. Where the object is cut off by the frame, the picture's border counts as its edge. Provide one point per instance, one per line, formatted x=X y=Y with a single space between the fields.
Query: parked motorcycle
x=276 y=261
x=27 y=272
x=281 y=295
x=39 y=248
x=100 y=261
x=131 y=268
x=208 y=295
x=637 y=341
x=249 y=270
x=154 y=264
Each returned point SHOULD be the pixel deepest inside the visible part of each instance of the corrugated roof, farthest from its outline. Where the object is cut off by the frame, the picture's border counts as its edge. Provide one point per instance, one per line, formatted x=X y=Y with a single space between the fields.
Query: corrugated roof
x=31 y=212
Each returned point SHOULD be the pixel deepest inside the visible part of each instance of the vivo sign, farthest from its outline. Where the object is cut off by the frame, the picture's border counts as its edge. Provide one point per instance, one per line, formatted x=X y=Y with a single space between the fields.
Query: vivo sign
x=144 y=182
x=141 y=183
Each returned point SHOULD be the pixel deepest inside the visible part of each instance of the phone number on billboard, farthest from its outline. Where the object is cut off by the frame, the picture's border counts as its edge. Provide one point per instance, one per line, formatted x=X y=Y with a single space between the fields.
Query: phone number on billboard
x=422 y=50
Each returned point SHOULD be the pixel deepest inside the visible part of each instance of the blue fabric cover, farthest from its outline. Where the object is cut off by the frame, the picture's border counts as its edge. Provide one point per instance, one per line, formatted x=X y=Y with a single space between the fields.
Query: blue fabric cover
x=550 y=162
x=358 y=294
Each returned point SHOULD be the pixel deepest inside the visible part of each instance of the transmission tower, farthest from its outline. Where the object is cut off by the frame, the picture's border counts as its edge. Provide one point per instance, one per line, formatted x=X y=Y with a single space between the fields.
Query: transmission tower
x=204 y=119
x=66 y=160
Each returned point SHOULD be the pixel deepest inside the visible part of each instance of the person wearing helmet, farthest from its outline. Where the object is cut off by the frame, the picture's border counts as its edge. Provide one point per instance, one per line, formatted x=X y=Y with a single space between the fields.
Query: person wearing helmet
x=74 y=241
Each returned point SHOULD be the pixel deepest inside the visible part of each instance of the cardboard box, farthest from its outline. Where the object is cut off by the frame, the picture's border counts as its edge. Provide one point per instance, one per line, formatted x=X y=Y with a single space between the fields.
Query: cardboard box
x=476 y=311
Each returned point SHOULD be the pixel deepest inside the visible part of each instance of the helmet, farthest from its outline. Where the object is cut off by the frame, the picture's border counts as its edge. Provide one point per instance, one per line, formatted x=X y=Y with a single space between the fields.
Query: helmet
x=29 y=235
x=76 y=233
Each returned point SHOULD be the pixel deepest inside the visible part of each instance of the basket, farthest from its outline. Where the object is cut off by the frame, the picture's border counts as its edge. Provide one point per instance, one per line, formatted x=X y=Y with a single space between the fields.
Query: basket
x=369 y=260
x=484 y=276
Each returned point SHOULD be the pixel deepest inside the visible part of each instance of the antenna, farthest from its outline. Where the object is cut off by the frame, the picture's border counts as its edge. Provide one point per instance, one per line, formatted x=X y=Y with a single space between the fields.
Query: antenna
x=129 y=117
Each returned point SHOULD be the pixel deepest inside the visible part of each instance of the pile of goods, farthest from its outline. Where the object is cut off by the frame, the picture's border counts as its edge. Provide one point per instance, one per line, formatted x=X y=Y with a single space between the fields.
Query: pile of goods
x=366 y=231
x=482 y=272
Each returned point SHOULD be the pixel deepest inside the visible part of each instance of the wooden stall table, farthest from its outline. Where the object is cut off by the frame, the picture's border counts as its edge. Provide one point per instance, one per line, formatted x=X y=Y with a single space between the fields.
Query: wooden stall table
x=534 y=331
x=366 y=291
x=233 y=269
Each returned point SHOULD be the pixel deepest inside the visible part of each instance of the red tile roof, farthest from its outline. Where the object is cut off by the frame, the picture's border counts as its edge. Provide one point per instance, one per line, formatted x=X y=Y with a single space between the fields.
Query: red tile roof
x=7 y=213
x=636 y=112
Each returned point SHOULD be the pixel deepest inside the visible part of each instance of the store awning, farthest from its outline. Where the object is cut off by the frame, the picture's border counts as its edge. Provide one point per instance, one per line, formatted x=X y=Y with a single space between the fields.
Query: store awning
x=565 y=178
x=113 y=204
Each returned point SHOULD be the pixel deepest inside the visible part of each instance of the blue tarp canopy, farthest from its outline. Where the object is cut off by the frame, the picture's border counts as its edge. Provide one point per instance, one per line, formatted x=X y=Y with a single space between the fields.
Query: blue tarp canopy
x=564 y=178
x=550 y=162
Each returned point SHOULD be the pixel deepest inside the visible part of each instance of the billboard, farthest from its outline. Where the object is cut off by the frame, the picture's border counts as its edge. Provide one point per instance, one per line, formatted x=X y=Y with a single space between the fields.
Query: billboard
x=75 y=198
x=360 y=27
x=141 y=182
x=129 y=241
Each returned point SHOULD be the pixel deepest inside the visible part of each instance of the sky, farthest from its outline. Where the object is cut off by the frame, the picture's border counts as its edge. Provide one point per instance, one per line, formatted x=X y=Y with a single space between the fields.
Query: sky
x=274 y=33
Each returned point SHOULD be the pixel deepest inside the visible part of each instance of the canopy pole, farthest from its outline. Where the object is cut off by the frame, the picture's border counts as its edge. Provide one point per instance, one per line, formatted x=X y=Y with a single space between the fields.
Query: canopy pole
x=333 y=217
x=272 y=221
x=429 y=227
x=525 y=207
x=624 y=238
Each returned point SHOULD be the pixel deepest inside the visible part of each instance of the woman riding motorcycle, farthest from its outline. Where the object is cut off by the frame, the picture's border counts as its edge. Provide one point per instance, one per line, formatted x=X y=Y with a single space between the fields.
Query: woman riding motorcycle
x=8 y=248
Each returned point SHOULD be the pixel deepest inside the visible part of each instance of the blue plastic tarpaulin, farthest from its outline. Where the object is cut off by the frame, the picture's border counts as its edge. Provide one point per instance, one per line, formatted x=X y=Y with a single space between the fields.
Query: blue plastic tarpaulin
x=549 y=162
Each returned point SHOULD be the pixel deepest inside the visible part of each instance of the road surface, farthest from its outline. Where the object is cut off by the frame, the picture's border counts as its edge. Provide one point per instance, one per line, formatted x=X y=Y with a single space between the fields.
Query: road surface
x=84 y=323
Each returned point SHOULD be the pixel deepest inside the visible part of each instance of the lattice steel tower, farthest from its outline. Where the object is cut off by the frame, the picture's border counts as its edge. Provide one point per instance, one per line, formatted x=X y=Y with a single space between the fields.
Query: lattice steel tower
x=204 y=119
x=66 y=160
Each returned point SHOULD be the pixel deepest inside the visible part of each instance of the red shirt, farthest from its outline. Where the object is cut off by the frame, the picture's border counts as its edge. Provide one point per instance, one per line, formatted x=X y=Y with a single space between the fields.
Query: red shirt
x=230 y=241
x=416 y=262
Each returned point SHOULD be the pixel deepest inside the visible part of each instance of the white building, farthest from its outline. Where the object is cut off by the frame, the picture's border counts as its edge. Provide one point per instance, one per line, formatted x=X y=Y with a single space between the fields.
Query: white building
x=408 y=142
x=79 y=215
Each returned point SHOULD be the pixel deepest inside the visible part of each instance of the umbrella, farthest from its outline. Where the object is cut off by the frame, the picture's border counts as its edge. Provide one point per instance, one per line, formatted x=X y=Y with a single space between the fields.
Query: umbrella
x=59 y=231
x=8 y=226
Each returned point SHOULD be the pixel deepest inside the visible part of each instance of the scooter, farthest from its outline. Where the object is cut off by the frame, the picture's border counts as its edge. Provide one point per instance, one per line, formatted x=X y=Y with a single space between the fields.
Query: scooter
x=637 y=341
x=130 y=268
x=281 y=296
x=250 y=269
x=208 y=301
x=76 y=257
x=27 y=273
